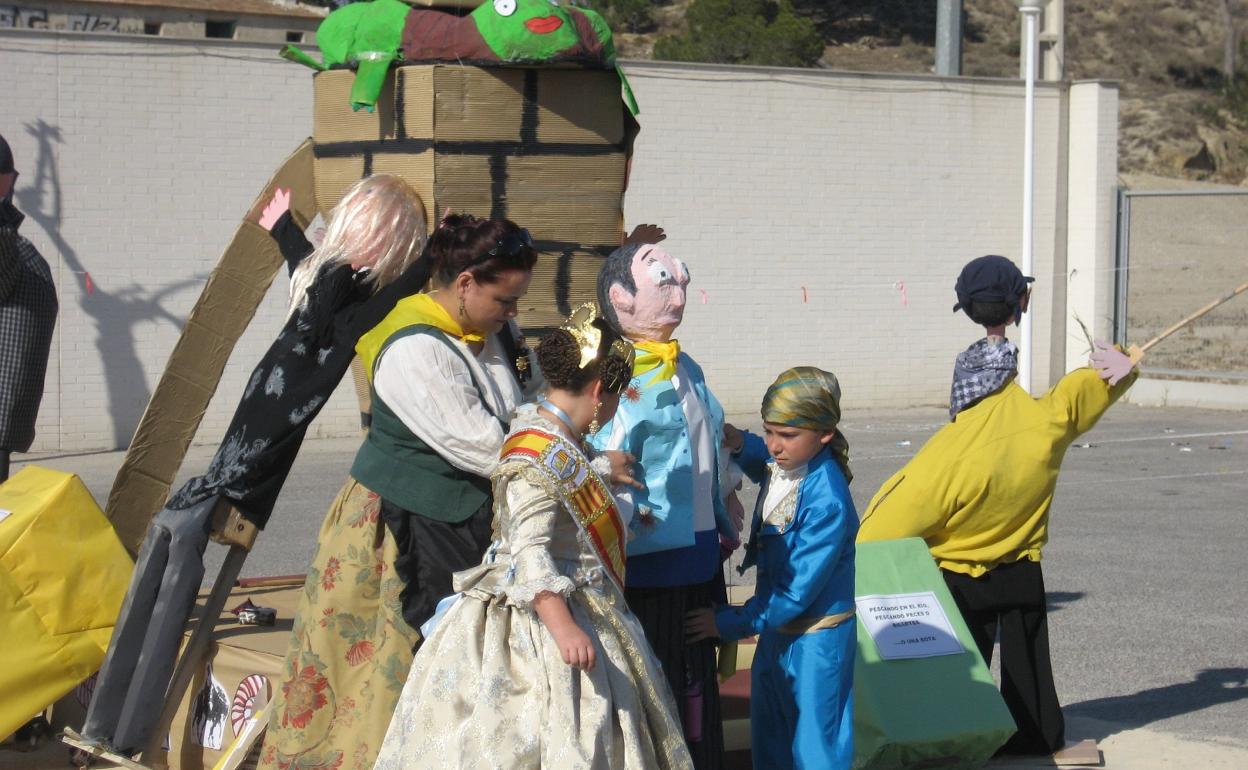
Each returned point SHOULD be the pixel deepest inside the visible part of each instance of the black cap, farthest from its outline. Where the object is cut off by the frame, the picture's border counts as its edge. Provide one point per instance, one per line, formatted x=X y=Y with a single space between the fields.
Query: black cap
x=990 y=279
x=6 y=157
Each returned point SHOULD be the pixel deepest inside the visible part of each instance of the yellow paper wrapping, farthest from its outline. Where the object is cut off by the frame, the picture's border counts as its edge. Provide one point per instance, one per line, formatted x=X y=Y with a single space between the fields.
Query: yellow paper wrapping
x=63 y=575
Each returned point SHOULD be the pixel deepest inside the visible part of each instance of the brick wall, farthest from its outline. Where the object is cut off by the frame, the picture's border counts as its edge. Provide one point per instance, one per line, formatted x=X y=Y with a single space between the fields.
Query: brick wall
x=138 y=156
x=850 y=186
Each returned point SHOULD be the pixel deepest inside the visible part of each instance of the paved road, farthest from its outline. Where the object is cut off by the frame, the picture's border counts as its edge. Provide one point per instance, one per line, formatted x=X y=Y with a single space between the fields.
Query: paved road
x=1145 y=566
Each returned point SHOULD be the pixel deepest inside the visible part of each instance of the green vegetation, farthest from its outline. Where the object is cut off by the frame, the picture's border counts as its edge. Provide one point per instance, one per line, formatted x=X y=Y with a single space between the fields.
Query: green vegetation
x=626 y=15
x=744 y=32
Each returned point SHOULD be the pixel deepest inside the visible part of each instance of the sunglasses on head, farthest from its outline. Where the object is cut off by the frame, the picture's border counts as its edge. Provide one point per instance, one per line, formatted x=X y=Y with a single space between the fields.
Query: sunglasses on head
x=512 y=244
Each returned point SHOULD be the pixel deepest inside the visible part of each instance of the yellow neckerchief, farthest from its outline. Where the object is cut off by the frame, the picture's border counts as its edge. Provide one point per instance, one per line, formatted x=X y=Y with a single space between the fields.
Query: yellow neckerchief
x=418 y=309
x=657 y=355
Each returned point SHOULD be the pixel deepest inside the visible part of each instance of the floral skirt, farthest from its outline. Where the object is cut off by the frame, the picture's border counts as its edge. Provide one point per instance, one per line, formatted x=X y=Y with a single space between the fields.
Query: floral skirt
x=350 y=648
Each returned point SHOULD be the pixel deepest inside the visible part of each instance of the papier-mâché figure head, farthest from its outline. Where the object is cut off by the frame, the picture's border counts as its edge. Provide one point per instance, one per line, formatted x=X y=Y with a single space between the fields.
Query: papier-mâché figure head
x=641 y=289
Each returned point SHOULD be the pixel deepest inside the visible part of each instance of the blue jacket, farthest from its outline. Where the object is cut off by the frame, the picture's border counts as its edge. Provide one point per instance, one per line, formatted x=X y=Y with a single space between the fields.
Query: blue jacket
x=805 y=570
x=650 y=424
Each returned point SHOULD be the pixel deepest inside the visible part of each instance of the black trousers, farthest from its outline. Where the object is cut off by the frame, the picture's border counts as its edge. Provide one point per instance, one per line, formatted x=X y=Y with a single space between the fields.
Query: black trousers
x=690 y=668
x=1010 y=598
x=431 y=551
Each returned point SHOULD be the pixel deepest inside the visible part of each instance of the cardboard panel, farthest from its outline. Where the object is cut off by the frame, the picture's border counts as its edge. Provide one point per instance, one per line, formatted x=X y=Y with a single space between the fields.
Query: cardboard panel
x=463 y=182
x=414 y=86
x=477 y=103
x=246 y=665
x=567 y=198
x=333 y=177
x=561 y=281
x=335 y=121
x=579 y=106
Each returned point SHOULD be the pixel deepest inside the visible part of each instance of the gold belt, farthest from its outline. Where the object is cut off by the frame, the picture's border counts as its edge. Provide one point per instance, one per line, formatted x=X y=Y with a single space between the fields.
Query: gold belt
x=811 y=625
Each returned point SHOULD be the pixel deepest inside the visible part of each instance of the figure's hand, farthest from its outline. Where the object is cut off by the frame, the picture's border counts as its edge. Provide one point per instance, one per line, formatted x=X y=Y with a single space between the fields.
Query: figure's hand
x=1111 y=363
x=734 y=439
x=575 y=646
x=645 y=234
x=275 y=208
x=699 y=625
x=622 y=464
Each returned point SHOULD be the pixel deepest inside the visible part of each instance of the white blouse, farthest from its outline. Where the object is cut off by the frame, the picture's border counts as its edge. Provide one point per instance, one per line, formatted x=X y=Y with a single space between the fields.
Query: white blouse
x=432 y=391
x=778 y=508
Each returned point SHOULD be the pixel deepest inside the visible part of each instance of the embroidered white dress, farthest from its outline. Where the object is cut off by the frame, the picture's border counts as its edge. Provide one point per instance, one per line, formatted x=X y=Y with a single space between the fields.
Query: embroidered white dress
x=489 y=688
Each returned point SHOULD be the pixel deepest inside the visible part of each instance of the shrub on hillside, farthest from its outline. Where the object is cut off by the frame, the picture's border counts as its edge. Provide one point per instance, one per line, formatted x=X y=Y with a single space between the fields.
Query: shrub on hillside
x=744 y=32
x=626 y=15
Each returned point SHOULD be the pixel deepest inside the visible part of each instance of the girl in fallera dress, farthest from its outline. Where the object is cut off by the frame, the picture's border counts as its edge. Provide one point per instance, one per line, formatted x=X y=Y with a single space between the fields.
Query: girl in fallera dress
x=539 y=662
x=802 y=540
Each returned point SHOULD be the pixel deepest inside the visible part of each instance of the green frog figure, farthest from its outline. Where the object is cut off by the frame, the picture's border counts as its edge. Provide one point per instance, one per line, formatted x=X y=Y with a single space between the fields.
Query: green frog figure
x=372 y=36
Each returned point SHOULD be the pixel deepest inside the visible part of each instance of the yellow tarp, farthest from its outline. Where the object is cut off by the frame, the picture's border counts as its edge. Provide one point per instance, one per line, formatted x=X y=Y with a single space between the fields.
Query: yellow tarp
x=63 y=575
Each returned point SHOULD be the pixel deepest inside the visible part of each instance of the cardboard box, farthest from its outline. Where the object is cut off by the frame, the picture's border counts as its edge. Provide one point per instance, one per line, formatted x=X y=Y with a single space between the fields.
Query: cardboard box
x=542 y=146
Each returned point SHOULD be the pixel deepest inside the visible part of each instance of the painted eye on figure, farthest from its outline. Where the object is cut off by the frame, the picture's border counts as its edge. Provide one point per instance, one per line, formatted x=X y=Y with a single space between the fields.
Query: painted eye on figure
x=504 y=7
x=659 y=274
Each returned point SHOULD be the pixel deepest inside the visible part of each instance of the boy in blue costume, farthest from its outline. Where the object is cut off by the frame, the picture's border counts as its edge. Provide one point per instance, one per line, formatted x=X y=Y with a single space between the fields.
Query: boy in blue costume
x=672 y=424
x=802 y=539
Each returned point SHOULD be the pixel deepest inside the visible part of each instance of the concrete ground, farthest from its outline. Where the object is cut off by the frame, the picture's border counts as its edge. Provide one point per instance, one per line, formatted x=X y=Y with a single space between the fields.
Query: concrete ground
x=1144 y=570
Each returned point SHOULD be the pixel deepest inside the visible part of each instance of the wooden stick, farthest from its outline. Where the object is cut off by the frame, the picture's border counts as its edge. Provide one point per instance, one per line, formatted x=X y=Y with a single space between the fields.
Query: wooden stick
x=241 y=746
x=1203 y=311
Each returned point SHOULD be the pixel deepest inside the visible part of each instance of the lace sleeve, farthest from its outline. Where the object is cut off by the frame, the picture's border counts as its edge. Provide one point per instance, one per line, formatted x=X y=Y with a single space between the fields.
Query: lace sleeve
x=529 y=524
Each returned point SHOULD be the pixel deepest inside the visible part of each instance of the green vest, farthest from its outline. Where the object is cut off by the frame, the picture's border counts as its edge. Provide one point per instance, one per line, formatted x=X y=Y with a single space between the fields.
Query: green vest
x=396 y=464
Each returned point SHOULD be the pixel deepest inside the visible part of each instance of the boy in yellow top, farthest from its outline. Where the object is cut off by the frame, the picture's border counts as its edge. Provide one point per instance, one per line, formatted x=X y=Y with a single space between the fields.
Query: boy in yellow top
x=979 y=493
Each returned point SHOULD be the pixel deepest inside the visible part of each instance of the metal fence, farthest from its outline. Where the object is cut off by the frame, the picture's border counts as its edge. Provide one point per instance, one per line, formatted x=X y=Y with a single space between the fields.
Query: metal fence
x=1177 y=250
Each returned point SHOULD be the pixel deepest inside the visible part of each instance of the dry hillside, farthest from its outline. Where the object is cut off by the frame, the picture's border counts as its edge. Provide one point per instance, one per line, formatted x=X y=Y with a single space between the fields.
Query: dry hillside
x=1176 y=119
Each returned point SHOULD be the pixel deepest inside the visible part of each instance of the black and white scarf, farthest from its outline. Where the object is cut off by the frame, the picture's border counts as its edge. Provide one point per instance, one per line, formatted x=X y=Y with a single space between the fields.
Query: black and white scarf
x=981 y=370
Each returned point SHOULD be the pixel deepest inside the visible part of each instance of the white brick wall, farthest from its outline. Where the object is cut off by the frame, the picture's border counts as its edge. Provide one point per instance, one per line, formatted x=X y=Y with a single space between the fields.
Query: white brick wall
x=766 y=180
x=771 y=180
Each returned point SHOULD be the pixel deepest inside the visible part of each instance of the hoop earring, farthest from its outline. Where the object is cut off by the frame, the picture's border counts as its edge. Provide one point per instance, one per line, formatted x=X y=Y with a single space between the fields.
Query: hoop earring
x=594 y=427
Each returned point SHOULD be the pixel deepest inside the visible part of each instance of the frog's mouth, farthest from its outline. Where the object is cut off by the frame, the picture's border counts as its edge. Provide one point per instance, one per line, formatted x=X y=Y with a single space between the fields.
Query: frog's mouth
x=543 y=25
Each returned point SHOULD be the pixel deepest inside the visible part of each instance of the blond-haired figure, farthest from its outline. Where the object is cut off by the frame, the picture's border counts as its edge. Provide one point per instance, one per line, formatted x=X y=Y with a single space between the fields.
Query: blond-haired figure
x=369 y=259
x=378 y=228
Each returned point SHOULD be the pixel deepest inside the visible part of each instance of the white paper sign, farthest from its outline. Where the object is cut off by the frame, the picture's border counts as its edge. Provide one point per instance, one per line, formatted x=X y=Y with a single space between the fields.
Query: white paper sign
x=908 y=625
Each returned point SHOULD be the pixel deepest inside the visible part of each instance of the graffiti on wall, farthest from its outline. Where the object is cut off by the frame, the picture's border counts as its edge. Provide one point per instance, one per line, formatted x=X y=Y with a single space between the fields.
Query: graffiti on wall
x=23 y=18
x=17 y=17
x=85 y=22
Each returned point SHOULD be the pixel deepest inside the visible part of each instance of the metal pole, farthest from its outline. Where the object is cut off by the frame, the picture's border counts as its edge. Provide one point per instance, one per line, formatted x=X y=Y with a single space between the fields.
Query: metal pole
x=949 y=38
x=1031 y=18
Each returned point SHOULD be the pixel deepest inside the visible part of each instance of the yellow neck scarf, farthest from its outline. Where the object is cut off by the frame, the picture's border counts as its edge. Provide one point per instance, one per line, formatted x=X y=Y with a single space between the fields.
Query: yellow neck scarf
x=660 y=356
x=417 y=309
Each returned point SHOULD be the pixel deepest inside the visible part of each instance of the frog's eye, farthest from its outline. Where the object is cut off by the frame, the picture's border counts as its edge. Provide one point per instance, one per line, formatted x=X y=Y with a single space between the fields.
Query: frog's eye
x=658 y=273
x=504 y=7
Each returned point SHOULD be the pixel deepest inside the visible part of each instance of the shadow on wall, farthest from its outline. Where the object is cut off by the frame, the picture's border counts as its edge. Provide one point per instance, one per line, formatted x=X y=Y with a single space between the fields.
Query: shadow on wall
x=1211 y=687
x=116 y=312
